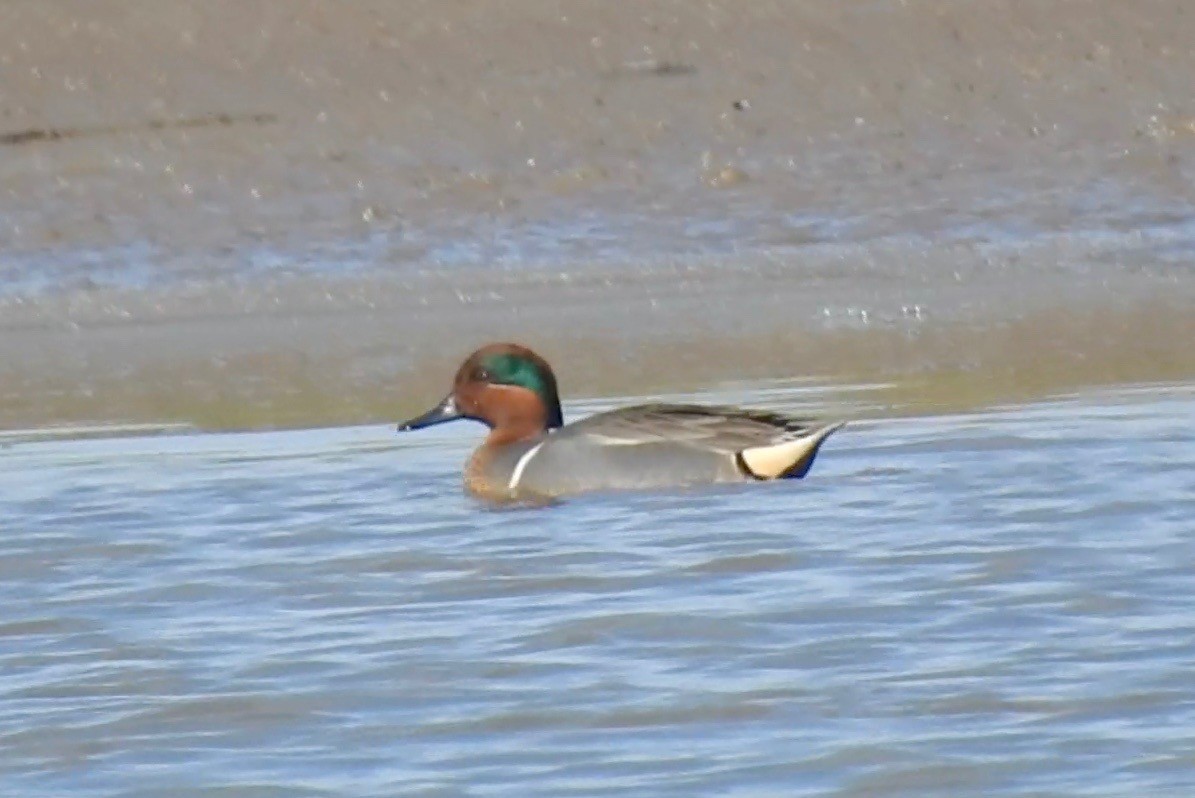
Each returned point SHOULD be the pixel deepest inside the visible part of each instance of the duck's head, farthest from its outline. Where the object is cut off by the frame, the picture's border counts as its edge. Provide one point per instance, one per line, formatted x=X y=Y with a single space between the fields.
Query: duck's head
x=507 y=387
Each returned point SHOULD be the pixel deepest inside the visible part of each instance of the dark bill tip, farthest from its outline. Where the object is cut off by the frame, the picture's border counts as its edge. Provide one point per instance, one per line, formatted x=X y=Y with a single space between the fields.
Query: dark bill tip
x=444 y=411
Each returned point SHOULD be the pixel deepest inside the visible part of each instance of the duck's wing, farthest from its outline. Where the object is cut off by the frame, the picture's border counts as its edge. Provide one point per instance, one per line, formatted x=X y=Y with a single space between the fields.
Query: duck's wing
x=709 y=427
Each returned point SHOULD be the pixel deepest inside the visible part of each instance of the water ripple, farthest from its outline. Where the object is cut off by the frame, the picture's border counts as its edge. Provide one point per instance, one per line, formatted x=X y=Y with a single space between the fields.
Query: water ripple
x=993 y=604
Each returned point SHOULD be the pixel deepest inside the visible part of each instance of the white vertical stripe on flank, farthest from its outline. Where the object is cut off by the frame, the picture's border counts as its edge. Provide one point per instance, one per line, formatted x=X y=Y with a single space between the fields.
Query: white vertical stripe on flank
x=522 y=464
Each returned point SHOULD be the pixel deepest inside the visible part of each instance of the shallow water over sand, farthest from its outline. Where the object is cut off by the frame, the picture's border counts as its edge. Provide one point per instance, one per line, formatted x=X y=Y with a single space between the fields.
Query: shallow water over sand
x=994 y=604
x=242 y=215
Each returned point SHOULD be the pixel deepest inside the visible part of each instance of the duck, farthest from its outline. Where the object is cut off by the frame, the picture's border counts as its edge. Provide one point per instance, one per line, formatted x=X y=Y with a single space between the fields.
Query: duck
x=531 y=454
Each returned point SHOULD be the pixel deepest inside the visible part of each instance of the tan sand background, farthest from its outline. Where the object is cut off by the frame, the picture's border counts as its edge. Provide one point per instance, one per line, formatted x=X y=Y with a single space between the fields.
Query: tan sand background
x=235 y=213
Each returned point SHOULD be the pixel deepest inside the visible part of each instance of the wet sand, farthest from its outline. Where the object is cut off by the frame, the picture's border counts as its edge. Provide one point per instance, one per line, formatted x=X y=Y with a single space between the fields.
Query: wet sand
x=248 y=214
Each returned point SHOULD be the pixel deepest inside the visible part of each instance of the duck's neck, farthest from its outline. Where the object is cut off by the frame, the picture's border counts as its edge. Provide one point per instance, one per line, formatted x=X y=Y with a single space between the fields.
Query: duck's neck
x=514 y=414
x=514 y=431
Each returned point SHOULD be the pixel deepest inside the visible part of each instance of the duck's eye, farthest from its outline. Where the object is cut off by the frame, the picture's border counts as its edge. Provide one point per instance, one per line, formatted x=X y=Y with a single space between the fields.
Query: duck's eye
x=482 y=375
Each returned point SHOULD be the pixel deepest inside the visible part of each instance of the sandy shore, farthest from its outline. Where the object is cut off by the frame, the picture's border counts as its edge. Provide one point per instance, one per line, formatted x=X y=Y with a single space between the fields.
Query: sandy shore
x=252 y=214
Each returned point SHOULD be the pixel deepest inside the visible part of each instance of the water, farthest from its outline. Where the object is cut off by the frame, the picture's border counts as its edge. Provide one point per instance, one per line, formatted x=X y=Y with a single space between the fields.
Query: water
x=993 y=604
x=309 y=214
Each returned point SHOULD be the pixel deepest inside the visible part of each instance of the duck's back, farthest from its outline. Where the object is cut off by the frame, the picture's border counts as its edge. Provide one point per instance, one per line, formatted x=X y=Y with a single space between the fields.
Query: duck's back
x=653 y=446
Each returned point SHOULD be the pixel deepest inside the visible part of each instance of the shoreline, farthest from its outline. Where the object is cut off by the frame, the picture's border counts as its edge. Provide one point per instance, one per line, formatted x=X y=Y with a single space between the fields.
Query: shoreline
x=264 y=217
x=950 y=367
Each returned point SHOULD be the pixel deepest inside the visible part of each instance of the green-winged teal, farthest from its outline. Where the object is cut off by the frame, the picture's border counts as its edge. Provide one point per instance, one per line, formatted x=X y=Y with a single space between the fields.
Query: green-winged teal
x=531 y=454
